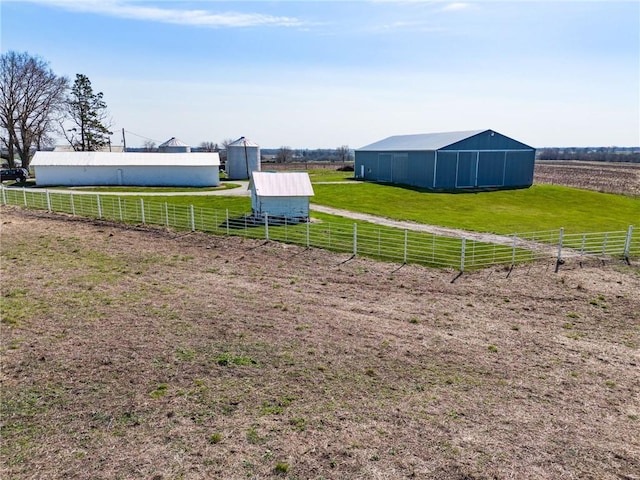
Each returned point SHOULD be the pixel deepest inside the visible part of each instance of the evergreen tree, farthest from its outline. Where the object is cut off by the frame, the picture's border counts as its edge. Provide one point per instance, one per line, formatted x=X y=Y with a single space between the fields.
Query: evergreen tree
x=88 y=112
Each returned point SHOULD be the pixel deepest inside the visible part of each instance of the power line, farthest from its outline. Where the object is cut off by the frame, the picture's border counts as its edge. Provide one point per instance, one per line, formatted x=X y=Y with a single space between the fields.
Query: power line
x=141 y=136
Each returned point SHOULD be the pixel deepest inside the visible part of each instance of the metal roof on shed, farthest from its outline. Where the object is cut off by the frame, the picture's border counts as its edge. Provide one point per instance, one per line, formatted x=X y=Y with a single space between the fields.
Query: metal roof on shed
x=281 y=184
x=423 y=141
x=125 y=159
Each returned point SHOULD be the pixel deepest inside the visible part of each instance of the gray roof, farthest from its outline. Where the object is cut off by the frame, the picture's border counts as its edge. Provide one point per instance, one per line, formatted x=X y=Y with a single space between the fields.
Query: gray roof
x=173 y=142
x=281 y=184
x=423 y=141
x=243 y=142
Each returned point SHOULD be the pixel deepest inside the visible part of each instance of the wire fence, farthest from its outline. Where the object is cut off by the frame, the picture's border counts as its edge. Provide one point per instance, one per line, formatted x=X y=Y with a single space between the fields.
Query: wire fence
x=358 y=239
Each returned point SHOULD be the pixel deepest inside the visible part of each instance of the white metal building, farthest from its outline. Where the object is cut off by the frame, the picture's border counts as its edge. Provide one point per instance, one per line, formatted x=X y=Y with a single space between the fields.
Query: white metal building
x=280 y=194
x=243 y=157
x=140 y=169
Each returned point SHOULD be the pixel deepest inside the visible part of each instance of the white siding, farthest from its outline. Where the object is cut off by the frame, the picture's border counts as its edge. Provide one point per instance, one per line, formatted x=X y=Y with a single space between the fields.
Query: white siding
x=281 y=194
x=143 y=169
x=155 y=176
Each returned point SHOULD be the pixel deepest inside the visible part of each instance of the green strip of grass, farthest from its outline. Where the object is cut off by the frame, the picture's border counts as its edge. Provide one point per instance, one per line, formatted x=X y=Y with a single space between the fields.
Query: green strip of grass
x=541 y=207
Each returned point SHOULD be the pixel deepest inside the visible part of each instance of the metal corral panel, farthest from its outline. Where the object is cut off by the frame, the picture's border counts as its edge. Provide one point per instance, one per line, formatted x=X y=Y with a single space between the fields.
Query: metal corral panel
x=243 y=157
x=470 y=160
x=140 y=169
x=280 y=194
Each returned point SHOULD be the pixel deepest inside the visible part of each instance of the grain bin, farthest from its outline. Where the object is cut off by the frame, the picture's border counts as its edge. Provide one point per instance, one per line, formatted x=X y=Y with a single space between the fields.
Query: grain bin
x=243 y=157
x=173 y=145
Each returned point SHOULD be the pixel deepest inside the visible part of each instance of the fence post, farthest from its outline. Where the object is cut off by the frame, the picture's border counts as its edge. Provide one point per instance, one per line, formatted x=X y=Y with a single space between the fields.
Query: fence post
x=142 y=217
x=99 y=206
x=266 y=225
x=286 y=233
x=355 y=239
x=73 y=204
x=193 y=218
x=4 y=195
x=627 y=243
x=462 y=253
x=406 y=239
x=48 y=200
x=513 y=250
x=308 y=222
x=227 y=222
x=24 y=196
x=584 y=241
x=604 y=243
x=119 y=208
x=166 y=213
x=559 y=260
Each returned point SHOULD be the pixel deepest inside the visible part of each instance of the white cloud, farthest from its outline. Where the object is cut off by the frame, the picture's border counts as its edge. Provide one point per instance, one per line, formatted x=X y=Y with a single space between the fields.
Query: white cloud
x=456 y=6
x=194 y=17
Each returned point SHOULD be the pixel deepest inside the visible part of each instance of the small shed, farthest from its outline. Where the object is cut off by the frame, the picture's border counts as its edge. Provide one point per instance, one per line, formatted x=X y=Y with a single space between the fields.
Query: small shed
x=173 y=145
x=448 y=161
x=280 y=194
x=127 y=168
x=243 y=157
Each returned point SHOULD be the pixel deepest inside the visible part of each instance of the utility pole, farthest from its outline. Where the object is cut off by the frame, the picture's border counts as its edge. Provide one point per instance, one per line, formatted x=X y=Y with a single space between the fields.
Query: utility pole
x=124 y=141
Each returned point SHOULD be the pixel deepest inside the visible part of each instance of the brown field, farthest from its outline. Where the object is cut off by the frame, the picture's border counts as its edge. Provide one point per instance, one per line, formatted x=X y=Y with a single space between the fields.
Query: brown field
x=620 y=178
x=140 y=353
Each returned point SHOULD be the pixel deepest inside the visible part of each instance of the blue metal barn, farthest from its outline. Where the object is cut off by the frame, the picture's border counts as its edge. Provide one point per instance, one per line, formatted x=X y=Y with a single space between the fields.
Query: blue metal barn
x=448 y=161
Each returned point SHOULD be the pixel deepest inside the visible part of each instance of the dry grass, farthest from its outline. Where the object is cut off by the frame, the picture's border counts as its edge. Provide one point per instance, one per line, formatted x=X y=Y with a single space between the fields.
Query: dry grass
x=140 y=353
x=619 y=178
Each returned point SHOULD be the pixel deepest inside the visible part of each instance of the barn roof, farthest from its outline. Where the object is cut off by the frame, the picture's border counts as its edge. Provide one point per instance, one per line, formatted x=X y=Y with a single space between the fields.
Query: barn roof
x=281 y=184
x=423 y=141
x=125 y=159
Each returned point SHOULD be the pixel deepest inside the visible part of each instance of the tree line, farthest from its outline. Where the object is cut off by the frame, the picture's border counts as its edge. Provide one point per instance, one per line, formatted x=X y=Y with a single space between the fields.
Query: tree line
x=283 y=154
x=591 y=154
x=36 y=104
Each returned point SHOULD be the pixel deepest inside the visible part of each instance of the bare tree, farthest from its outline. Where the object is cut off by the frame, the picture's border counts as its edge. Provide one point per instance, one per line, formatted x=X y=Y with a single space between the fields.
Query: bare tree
x=208 y=147
x=88 y=112
x=343 y=154
x=284 y=155
x=149 y=146
x=223 y=152
x=31 y=97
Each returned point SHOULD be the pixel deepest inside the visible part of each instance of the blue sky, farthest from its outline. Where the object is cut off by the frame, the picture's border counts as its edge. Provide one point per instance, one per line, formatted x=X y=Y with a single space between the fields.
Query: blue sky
x=321 y=74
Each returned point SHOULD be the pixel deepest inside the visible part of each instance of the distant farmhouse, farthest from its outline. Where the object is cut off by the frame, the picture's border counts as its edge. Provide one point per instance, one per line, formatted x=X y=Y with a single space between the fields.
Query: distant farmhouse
x=280 y=194
x=127 y=168
x=449 y=161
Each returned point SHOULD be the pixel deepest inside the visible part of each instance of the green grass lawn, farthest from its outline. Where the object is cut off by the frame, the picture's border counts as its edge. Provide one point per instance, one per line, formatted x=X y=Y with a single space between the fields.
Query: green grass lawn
x=131 y=189
x=541 y=207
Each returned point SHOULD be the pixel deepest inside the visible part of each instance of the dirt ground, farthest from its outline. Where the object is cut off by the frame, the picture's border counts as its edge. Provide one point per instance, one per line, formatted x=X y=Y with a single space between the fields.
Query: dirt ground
x=131 y=352
x=620 y=178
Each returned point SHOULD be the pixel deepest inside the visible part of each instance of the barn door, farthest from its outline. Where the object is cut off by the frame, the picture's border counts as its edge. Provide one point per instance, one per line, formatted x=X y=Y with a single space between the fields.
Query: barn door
x=385 y=167
x=466 y=175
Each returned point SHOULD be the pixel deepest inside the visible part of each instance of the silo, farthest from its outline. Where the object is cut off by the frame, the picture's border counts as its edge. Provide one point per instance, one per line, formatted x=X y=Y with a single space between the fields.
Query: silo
x=243 y=157
x=173 y=145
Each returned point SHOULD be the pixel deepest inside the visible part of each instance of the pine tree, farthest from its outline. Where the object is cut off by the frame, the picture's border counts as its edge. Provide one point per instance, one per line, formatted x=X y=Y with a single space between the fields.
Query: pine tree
x=88 y=111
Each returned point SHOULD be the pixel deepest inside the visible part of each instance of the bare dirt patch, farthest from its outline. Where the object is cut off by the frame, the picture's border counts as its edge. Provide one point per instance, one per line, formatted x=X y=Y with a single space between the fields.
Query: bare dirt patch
x=145 y=353
x=619 y=178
